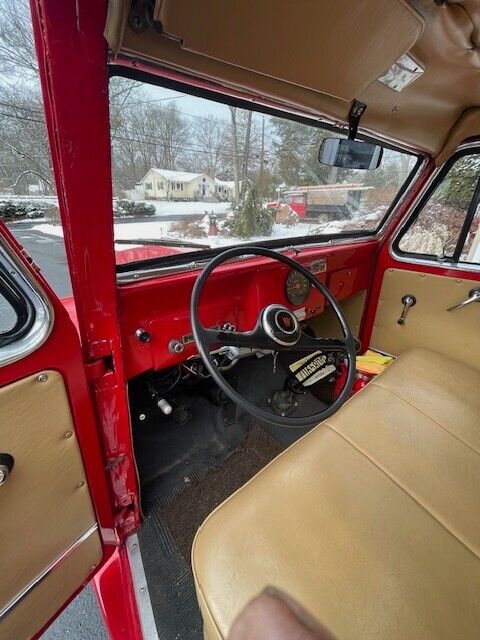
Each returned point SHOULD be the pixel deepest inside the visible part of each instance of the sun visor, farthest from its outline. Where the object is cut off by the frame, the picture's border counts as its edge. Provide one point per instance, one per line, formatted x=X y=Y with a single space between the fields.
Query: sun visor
x=336 y=47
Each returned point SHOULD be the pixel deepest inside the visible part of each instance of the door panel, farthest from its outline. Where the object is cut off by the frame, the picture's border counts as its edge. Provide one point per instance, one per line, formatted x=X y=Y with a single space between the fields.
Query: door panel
x=42 y=603
x=46 y=496
x=57 y=522
x=428 y=324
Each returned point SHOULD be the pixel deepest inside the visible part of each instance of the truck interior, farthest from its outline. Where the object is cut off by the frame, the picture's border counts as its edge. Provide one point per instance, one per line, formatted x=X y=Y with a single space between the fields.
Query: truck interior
x=370 y=518
x=264 y=453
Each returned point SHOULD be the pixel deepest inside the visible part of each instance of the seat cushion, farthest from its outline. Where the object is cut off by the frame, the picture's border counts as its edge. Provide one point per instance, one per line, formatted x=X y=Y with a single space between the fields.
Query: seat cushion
x=371 y=521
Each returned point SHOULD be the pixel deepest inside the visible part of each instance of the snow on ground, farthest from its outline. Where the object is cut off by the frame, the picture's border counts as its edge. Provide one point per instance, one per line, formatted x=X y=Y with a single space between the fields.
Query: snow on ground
x=156 y=230
x=188 y=208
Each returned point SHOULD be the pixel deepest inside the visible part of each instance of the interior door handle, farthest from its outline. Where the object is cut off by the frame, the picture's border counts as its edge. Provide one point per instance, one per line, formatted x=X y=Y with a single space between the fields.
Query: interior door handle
x=473 y=296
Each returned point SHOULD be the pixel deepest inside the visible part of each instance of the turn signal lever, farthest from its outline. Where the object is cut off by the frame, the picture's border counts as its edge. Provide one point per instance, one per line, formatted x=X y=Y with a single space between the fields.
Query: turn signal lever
x=473 y=296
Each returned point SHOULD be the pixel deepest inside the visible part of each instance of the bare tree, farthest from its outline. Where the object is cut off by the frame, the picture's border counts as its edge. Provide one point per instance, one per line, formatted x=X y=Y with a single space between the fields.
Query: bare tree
x=234 y=145
x=210 y=140
x=17 y=48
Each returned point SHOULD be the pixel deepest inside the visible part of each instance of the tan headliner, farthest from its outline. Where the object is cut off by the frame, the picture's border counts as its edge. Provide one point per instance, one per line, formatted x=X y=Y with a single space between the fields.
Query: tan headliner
x=422 y=116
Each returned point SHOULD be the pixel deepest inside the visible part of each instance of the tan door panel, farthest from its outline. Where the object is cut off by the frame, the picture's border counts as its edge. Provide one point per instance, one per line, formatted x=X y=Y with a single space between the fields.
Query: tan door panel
x=428 y=324
x=45 y=504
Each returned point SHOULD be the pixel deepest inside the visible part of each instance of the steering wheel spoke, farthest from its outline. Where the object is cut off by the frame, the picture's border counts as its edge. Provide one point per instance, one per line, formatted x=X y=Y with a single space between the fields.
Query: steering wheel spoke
x=327 y=345
x=255 y=339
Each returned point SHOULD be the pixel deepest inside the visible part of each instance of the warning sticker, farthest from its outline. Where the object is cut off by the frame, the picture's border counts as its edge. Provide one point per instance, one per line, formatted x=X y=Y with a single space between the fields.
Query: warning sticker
x=312 y=368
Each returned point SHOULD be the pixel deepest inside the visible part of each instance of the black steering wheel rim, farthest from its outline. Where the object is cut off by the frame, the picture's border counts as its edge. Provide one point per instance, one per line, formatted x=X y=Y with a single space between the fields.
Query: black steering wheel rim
x=199 y=335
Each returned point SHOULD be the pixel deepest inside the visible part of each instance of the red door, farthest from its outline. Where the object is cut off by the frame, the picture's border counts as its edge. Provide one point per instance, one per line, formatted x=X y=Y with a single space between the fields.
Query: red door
x=57 y=522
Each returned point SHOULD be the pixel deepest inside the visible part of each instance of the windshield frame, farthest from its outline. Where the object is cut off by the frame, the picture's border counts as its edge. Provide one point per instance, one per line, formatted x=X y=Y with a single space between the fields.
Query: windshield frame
x=172 y=261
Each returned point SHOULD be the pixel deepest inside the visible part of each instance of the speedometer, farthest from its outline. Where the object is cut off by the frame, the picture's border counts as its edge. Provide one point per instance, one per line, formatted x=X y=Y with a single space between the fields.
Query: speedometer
x=297 y=288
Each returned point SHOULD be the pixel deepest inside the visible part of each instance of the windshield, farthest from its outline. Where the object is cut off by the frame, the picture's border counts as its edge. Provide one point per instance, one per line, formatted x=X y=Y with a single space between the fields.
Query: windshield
x=191 y=174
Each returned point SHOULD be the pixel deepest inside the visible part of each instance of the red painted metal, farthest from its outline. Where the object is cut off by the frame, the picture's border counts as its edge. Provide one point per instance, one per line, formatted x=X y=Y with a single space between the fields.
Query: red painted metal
x=114 y=589
x=161 y=305
x=72 y=55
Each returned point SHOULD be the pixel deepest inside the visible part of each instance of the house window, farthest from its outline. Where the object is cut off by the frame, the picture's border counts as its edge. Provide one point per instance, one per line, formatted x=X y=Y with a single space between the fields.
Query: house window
x=178 y=186
x=160 y=185
x=181 y=186
x=148 y=185
x=445 y=227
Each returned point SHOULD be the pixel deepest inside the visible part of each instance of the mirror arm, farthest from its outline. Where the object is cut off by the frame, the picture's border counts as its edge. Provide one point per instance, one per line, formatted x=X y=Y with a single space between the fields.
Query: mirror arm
x=356 y=112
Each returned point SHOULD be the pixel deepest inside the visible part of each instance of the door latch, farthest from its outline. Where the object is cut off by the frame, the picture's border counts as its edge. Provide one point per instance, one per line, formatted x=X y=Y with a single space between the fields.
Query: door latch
x=473 y=296
x=6 y=466
x=408 y=301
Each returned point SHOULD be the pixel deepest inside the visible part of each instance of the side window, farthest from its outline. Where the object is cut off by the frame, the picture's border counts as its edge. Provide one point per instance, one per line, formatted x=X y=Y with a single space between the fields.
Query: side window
x=8 y=316
x=446 y=226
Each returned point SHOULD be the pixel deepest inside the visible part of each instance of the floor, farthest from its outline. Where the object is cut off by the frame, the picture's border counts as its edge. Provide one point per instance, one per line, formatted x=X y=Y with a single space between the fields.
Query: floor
x=188 y=464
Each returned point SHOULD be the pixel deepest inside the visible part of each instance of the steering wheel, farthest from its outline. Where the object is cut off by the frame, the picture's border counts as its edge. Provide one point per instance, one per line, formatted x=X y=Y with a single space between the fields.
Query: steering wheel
x=277 y=329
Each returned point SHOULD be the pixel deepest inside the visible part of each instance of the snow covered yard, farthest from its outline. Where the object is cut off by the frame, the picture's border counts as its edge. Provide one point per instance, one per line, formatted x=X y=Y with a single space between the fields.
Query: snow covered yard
x=163 y=208
x=157 y=229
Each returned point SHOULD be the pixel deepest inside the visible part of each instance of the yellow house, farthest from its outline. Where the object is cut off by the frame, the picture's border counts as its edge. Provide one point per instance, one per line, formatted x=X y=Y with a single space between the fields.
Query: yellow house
x=164 y=184
x=225 y=189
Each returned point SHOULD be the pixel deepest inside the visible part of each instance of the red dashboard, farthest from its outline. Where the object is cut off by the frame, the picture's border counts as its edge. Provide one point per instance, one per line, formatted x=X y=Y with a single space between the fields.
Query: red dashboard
x=235 y=293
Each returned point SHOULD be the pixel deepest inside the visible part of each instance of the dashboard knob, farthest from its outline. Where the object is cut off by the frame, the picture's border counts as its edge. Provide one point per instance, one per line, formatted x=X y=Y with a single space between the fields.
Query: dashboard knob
x=143 y=335
x=175 y=346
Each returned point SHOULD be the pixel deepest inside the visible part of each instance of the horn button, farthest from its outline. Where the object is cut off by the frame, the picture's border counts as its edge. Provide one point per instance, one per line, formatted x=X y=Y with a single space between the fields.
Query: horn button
x=281 y=325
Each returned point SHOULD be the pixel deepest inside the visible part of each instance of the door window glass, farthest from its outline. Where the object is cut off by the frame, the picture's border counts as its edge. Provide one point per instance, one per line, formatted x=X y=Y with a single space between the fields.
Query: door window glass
x=437 y=228
x=8 y=315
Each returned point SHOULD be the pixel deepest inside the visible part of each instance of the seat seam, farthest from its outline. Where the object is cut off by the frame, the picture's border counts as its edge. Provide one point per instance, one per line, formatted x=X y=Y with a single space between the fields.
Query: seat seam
x=422 y=505
x=427 y=415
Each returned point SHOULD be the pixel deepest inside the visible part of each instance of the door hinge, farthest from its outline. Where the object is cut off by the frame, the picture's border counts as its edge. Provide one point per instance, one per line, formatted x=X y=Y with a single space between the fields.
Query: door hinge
x=101 y=363
x=126 y=519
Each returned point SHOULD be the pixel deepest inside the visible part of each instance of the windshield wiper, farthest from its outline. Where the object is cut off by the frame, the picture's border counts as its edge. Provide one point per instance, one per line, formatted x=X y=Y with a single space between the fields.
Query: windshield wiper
x=165 y=242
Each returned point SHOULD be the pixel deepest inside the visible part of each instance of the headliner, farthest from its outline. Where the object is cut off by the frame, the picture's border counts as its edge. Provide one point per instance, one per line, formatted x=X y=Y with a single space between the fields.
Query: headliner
x=292 y=61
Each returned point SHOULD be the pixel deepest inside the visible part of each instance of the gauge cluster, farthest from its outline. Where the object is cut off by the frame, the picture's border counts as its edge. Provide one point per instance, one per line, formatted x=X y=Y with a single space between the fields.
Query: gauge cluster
x=297 y=288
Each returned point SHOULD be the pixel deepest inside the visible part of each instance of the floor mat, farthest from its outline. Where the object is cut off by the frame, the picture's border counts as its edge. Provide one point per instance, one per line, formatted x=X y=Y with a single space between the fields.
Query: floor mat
x=187 y=512
x=172 y=518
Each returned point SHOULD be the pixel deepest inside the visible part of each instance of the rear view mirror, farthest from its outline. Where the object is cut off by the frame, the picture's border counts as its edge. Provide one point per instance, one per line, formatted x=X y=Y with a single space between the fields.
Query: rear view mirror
x=350 y=154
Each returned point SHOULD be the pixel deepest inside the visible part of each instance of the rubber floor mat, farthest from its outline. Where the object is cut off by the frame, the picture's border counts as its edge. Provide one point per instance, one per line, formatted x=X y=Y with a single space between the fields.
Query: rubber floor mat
x=172 y=519
x=187 y=512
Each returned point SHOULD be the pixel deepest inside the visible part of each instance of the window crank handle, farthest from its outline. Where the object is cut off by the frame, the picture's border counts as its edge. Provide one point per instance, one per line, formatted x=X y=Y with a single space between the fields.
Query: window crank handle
x=473 y=296
x=407 y=301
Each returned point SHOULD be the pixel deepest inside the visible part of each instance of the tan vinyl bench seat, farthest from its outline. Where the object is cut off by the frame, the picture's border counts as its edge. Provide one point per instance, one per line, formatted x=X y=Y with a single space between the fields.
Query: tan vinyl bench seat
x=371 y=521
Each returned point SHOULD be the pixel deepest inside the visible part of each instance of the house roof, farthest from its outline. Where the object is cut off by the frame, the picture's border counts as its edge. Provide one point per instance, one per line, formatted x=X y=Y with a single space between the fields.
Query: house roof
x=225 y=183
x=179 y=176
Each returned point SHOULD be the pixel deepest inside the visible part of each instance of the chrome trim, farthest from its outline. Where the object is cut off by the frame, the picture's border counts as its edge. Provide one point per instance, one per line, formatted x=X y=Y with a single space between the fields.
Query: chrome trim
x=43 y=321
x=295 y=324
x=268 y=330
x=56 y=563
x=463 y=266
x=140 y=587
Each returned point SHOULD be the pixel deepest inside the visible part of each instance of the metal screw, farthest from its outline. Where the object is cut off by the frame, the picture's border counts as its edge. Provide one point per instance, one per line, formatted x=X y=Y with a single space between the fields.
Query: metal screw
x=142 y=417
x=42 y=377
x=81 y=484
x=69 y=434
